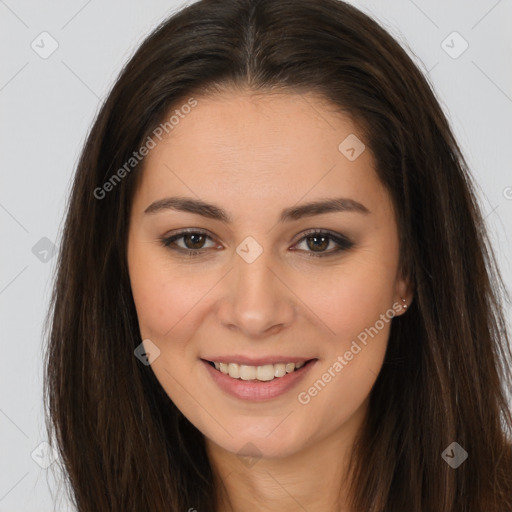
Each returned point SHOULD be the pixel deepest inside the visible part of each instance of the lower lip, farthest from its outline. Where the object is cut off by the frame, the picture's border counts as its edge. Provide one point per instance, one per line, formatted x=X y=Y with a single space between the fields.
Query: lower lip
x=258 y=391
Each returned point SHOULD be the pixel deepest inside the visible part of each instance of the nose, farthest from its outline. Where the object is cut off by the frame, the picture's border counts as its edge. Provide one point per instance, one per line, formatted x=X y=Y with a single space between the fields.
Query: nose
x=256 y=301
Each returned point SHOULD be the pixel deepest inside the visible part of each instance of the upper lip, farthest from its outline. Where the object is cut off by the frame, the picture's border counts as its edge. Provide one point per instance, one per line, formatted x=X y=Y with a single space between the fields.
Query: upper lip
x=258 y=361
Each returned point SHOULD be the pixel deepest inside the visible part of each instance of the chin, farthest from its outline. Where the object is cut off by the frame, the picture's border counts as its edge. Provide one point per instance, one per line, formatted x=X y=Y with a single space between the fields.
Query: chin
x=269 y=447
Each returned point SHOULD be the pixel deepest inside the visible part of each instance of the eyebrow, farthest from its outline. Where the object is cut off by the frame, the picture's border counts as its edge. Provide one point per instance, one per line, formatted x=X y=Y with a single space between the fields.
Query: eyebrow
x=199 y=207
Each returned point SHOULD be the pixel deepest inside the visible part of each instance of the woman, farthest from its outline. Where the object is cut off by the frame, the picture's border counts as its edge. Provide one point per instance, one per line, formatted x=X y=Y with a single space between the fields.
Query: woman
x=275 y=290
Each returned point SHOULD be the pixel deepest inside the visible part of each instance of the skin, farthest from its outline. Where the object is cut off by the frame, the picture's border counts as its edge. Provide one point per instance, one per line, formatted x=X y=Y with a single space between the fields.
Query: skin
x=254 y=155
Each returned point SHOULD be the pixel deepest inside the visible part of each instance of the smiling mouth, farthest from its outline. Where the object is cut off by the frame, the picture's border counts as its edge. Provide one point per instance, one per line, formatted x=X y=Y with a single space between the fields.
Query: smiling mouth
x=264 y=373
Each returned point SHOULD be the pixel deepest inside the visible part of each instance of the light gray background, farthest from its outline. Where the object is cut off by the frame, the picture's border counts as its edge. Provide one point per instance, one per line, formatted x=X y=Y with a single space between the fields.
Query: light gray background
x=48 y=105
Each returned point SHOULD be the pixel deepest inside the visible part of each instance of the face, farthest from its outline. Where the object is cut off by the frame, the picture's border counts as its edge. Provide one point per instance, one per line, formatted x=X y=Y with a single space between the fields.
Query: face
x=258 y=279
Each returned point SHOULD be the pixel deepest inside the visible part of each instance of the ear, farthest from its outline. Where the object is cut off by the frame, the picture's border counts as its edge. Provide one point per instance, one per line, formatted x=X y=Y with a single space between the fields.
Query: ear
x=403 y=295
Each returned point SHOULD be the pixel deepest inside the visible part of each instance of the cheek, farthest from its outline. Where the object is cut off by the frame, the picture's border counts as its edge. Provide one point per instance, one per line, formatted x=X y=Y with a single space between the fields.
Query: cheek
x=343 y=381
x=165 y=307
x=351 y=299
x=355 y=306
x=163 y=297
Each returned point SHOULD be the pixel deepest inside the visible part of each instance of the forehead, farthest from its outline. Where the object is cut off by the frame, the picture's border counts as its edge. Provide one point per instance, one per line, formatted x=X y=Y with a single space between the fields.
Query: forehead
x=261 y=126
x=259 y=146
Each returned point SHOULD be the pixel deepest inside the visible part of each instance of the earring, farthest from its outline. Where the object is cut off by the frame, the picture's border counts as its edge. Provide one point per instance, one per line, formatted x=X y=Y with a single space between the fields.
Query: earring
x=404 y=305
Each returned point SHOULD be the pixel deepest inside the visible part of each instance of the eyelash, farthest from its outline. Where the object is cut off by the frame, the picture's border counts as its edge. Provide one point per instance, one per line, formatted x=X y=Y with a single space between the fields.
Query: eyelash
x=343 y=242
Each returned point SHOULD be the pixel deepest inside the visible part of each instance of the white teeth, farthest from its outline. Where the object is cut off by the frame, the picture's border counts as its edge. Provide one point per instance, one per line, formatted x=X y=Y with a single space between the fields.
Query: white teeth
x=279 y=370
x=234 y=370
x=264 y=373
x=247 y=372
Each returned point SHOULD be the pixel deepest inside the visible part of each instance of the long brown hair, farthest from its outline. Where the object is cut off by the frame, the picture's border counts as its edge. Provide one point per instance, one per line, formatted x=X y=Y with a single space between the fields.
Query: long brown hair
x=124 y=444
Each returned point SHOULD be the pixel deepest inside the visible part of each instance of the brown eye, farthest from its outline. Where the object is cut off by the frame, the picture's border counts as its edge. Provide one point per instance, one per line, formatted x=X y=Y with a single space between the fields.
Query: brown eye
x=193 y=242
x=317 y=243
